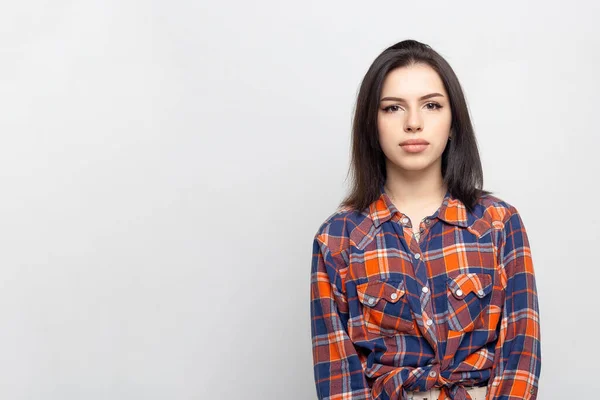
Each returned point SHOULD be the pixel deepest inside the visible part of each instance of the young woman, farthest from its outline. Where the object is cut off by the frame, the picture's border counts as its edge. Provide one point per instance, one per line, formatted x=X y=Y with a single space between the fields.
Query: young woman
x=422 y=283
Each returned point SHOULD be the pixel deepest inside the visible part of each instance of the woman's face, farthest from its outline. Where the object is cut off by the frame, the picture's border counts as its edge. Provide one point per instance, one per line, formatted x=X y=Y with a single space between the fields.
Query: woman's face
x=414 y=105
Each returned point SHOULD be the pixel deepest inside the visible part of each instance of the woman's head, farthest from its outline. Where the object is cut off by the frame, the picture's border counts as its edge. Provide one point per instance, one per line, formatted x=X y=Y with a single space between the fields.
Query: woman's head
x=413 y=106
x=390 y=110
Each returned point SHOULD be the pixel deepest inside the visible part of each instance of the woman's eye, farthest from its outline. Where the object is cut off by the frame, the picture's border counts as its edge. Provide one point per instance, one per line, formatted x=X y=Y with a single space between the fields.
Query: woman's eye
x=387 y=109
x=435 y=106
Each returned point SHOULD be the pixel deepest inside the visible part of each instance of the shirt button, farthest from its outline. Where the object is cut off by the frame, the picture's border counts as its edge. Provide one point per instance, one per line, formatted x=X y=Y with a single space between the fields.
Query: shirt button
x=432 y=373
x=417 y=256
x=394 y=296
x=480 y=292
x=427 y=221
x=425 y=289
x=405 y=220
x=371 y=300
x=429 y=322
x=458 y=292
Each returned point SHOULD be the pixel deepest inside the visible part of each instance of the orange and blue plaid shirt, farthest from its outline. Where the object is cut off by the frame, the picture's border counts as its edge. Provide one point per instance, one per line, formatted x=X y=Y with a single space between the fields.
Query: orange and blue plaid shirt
x=459 y=307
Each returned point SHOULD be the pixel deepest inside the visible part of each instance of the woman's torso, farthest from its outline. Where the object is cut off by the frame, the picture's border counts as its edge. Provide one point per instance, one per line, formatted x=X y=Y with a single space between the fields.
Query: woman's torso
x=429 y=304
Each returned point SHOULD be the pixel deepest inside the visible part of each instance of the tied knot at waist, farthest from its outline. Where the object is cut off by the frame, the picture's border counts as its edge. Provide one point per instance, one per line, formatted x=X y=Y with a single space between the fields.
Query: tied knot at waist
x=450 y=392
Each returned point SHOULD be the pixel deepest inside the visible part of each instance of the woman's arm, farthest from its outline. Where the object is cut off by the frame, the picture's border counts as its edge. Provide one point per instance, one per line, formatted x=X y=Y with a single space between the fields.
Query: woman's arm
x=338 y=371
x=518 y=353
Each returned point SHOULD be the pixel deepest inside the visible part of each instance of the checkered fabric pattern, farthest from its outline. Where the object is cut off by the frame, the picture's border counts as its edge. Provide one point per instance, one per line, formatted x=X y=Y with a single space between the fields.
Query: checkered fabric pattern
x=458 y=308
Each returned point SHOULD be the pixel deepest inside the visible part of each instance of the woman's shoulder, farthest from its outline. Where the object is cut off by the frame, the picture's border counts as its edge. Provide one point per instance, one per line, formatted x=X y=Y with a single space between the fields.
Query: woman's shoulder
x=337 y=228
x=495 y=208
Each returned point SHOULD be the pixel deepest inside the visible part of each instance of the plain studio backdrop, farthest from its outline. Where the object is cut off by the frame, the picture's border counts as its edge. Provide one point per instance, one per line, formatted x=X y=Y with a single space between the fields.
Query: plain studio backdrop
x=165 y=166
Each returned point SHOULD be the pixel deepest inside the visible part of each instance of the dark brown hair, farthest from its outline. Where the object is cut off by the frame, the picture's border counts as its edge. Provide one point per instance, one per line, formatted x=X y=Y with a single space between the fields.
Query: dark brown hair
x=461 y=165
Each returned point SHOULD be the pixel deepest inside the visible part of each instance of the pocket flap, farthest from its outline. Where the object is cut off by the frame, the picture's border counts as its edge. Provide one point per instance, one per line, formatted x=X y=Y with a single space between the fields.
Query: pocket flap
x=369 y=293
x=463 y=284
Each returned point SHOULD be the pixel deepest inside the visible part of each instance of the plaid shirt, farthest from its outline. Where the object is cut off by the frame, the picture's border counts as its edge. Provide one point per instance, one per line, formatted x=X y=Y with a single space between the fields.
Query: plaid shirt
x=390 y=314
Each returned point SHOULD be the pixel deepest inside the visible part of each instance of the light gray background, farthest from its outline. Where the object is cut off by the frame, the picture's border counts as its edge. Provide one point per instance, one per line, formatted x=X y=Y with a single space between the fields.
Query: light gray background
x=165 y=165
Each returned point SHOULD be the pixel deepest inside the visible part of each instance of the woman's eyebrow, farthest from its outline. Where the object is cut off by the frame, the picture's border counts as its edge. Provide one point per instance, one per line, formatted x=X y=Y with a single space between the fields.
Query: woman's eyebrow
x=427 y=96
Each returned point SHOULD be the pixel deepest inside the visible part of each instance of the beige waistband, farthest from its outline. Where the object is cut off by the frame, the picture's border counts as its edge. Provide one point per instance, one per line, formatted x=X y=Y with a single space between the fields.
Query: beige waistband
x=476 y=393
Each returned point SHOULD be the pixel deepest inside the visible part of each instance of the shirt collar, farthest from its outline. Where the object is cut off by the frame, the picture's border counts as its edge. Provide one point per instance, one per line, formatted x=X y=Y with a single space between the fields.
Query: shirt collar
x=452 y=210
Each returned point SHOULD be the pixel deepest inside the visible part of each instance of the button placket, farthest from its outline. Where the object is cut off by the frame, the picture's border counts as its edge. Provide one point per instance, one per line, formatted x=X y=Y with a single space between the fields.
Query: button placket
x=425 y=303
x=434 y=372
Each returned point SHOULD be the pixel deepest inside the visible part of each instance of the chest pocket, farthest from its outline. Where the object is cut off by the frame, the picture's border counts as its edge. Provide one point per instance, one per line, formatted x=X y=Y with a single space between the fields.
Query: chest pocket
x=468 y=298
x=385 y=309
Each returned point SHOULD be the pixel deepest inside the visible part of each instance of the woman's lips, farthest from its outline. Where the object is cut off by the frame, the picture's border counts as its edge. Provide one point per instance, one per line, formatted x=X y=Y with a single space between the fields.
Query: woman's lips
x=414 y=148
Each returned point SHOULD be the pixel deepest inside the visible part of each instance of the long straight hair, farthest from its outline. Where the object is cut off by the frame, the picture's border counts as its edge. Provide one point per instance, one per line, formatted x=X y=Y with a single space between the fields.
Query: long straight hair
x=461 y=164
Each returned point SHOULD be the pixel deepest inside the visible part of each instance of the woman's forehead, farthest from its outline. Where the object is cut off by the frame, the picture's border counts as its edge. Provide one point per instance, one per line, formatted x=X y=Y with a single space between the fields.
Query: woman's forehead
x=412 y=82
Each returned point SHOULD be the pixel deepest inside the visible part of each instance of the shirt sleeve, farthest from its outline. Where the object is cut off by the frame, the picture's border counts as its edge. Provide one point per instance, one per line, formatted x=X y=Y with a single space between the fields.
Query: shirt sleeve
x=338 y=370
x=517 y=363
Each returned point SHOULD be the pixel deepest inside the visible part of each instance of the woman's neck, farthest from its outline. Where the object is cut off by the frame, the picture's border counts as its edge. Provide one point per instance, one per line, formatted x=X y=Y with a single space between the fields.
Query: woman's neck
x=415 y=189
